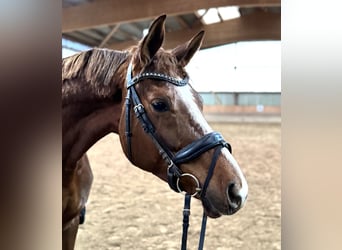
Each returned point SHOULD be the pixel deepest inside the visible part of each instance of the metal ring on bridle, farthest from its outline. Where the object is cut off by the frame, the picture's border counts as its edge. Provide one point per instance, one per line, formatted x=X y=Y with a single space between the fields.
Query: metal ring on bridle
x=198 y=188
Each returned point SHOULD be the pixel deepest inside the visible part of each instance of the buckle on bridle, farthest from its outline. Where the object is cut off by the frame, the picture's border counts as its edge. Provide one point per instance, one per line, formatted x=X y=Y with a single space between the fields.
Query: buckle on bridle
x=198 y=187
x=139 y=109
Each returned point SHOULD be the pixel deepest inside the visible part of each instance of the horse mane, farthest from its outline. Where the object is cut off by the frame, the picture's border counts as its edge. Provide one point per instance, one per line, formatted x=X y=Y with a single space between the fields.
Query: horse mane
x=96 y=66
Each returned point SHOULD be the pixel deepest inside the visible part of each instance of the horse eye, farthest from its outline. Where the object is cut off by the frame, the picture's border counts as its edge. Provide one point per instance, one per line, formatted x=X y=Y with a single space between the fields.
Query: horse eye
x=160 y=106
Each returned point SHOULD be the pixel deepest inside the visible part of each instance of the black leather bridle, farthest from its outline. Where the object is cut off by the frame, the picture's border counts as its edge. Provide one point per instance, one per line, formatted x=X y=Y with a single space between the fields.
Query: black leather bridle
x=186 y=154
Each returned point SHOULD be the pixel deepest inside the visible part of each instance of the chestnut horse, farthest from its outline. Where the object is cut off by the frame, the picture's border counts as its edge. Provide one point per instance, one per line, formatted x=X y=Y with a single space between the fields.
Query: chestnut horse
x=144 y=96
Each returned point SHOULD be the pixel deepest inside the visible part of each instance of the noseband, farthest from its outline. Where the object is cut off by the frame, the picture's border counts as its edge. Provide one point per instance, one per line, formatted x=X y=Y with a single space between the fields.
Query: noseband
x=186 y=154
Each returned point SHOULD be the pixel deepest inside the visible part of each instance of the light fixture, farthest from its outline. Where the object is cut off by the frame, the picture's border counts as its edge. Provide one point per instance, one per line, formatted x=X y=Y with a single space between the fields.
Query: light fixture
x=212 y=15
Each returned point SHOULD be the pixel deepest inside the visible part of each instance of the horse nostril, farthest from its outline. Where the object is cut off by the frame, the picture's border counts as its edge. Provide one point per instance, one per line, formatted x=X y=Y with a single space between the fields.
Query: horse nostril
x=234 y=199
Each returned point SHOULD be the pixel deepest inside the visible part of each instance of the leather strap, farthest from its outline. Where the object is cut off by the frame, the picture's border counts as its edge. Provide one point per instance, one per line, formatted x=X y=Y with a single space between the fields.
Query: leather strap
x=159 y=77
x=186 y=214
x=210 y=171
x=202 y=234
x=200 y=146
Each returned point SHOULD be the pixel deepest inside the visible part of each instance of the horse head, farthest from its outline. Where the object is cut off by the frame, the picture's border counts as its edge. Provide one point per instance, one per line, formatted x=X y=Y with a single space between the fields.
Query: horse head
x=177 y=132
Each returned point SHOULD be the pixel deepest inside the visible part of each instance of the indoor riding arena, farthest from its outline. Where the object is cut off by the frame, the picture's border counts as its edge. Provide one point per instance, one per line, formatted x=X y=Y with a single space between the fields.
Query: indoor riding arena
x=237 y=74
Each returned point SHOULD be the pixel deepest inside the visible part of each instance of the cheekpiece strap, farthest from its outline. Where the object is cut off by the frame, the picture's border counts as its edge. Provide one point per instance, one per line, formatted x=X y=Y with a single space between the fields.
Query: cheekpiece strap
x=173 y=173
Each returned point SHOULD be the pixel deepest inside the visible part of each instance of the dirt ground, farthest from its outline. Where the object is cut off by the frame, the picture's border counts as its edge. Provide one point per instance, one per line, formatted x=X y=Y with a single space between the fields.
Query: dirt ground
x=132 y=209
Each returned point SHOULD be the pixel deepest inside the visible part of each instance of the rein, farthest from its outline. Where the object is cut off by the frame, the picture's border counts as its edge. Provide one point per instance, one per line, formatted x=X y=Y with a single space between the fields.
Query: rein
x=186 y=154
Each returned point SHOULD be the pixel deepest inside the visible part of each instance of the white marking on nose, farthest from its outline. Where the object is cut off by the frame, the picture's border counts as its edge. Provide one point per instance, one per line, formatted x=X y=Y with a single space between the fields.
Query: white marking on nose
x=185 y=95
x=243 y=192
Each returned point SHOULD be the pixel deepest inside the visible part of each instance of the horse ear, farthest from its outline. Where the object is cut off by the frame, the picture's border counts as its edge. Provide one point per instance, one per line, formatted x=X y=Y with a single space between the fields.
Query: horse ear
x=153 y=40
x=185 y=52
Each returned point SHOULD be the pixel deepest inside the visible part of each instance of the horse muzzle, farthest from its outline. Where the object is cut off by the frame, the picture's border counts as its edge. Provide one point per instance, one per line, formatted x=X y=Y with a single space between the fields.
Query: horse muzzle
x=236 y=197
x=232 y=203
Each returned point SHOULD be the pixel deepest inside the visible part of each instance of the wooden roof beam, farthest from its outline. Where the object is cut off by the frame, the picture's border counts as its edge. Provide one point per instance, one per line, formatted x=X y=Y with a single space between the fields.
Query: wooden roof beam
x=253 y=27
x=109 y=12
x=182 y=23
x=109 y=35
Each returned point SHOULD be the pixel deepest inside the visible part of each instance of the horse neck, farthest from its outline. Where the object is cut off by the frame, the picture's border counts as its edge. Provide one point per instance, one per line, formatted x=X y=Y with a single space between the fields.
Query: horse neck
x=85 y=121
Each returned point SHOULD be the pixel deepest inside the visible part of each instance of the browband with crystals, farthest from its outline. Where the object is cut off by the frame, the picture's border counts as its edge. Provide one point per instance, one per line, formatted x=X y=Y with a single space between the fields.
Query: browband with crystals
x=158 y=76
